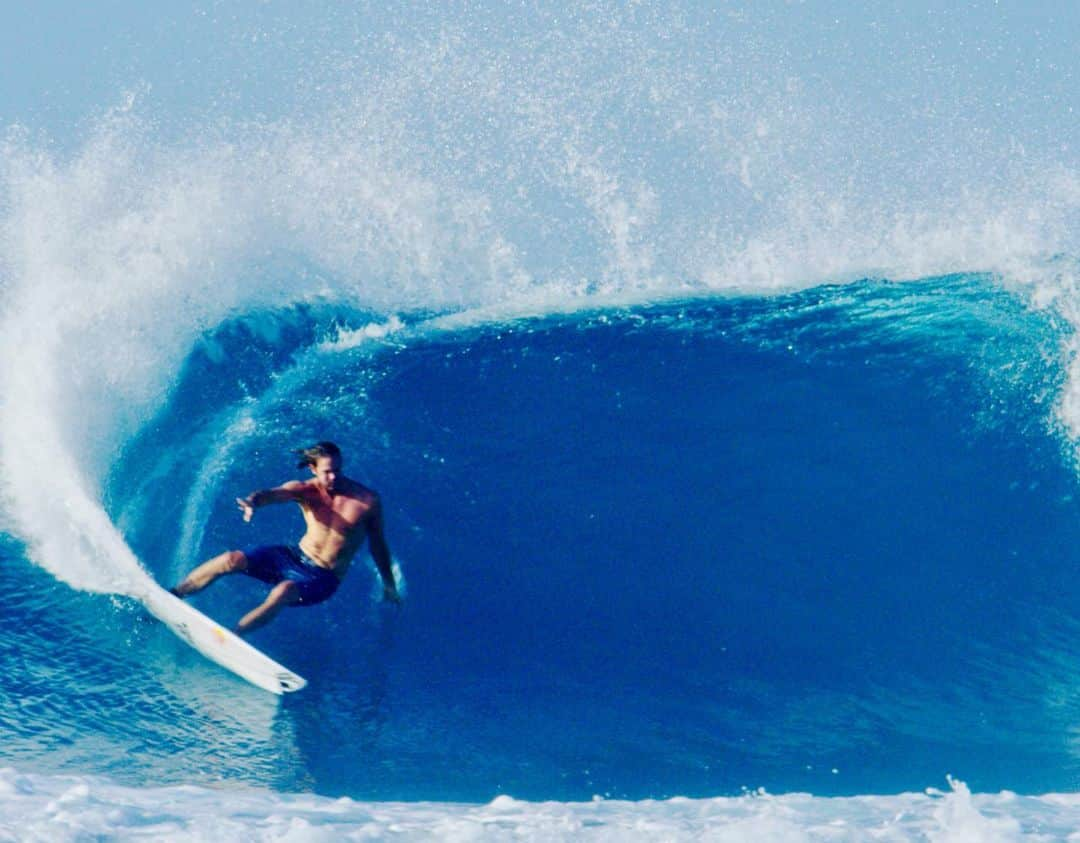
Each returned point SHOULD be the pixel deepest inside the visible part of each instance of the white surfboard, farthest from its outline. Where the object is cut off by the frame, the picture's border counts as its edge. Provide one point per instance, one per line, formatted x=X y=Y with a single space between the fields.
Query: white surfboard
x=219 y=644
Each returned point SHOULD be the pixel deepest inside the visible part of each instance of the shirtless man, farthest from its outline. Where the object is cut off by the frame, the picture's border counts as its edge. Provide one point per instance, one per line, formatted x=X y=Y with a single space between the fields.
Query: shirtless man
x=339 y=513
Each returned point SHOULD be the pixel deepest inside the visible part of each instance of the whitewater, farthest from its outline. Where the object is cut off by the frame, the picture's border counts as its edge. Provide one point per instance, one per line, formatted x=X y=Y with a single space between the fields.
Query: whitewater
x=717 y=368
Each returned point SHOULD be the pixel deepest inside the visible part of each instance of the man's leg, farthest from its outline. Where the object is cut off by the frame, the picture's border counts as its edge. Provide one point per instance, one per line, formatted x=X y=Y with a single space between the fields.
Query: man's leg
x=227 y=563
x=284 y=593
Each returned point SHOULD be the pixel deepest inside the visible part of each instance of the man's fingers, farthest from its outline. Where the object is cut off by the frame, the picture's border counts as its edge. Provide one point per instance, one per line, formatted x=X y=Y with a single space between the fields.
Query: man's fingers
x=246 y=508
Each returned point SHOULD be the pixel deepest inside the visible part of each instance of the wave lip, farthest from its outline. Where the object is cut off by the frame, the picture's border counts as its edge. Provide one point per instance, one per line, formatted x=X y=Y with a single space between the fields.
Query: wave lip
x=117 y=259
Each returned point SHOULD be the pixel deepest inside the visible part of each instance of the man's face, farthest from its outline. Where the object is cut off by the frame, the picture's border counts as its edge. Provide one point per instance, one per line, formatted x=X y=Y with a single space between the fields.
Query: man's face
x=326 y=471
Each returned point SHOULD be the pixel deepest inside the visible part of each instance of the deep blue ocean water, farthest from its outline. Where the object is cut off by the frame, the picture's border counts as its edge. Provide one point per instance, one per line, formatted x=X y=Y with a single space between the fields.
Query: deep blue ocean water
x=815 y=542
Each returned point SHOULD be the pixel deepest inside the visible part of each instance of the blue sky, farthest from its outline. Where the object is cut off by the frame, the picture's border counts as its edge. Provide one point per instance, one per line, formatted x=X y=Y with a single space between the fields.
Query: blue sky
x=64 y=62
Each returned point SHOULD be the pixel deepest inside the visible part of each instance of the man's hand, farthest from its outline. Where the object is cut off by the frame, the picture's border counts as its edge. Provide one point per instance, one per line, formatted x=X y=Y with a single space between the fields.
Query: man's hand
x=246 y=507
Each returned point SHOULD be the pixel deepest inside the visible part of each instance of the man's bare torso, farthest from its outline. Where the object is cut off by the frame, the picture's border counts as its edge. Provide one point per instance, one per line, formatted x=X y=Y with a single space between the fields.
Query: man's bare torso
x=336 y=522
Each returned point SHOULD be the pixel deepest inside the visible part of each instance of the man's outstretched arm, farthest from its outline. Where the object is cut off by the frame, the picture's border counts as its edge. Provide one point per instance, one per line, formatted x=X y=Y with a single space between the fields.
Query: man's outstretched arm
x=284 y=493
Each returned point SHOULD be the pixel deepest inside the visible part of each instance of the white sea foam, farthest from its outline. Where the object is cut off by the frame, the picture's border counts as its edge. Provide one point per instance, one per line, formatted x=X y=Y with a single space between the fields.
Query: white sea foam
x=71 y=808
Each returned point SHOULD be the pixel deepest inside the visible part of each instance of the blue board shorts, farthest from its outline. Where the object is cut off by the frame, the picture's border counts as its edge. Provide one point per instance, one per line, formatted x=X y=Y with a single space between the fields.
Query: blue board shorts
x=275 y=563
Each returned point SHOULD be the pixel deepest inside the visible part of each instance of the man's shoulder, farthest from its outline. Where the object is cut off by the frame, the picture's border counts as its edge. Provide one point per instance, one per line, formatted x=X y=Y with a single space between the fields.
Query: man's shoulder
x=300 y=488
x=362 y=493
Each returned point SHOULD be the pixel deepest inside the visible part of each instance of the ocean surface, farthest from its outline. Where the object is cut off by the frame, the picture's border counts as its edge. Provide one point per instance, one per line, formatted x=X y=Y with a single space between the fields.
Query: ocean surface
x=724 y=403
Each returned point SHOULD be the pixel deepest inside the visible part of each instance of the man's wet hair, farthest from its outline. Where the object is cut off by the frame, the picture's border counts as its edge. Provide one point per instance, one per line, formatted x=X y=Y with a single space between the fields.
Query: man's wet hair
x=310 y=456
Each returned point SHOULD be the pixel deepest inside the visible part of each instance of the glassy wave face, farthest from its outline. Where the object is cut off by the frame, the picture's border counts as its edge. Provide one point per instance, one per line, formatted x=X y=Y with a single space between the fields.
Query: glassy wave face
x=816 y=541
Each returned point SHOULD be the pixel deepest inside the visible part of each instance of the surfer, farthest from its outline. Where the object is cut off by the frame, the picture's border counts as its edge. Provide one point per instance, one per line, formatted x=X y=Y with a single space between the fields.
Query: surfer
x=340 y=513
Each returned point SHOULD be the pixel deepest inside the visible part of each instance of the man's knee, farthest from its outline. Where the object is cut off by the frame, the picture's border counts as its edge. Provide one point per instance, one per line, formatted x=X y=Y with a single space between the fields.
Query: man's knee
x=233 y=562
